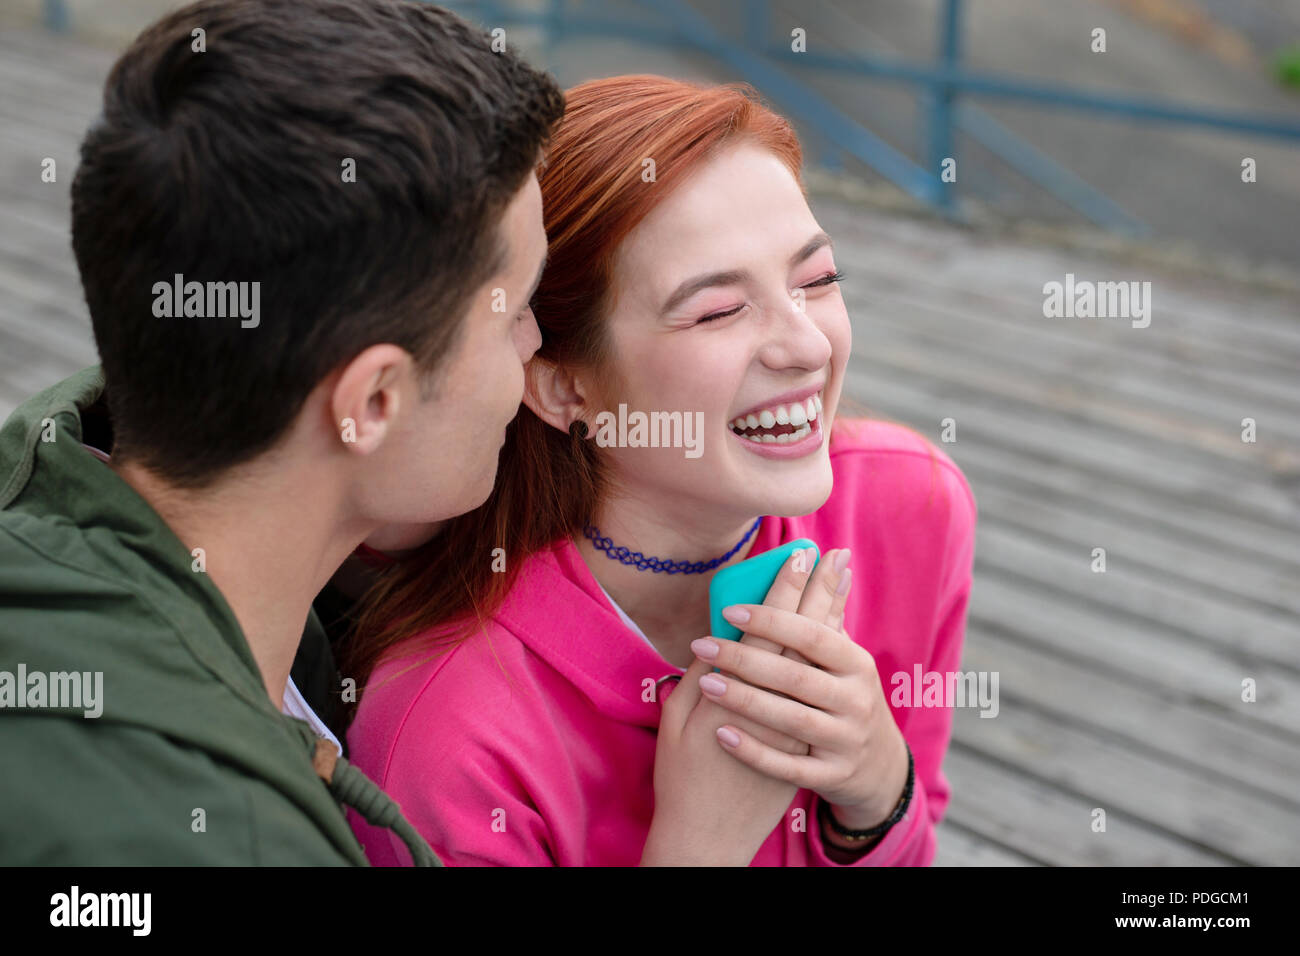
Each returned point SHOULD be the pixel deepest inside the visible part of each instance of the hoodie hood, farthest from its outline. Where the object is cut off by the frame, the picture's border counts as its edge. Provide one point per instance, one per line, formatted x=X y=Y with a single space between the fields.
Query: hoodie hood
x=601 y=656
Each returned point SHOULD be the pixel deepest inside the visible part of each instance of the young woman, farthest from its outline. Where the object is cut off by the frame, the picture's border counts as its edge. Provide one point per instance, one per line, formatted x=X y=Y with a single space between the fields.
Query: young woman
x=516 y=668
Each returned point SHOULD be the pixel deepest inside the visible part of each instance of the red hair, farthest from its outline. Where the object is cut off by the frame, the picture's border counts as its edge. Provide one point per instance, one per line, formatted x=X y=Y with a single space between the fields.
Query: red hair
x=548 y=483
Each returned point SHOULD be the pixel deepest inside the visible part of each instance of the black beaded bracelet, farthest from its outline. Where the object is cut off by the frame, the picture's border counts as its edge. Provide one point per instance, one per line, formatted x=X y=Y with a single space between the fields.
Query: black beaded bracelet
x=824 y=809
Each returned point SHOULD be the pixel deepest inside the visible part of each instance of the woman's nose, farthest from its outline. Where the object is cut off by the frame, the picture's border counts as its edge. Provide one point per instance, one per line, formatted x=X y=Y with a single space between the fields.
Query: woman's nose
x=796 y=340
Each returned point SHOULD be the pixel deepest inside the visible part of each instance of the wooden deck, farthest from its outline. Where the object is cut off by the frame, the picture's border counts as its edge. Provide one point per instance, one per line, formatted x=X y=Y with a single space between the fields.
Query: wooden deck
x=1119 y=691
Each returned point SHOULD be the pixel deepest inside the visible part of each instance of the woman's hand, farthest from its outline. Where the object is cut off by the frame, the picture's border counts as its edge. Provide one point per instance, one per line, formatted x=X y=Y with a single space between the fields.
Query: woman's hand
x=832 y=699
x=710 y=808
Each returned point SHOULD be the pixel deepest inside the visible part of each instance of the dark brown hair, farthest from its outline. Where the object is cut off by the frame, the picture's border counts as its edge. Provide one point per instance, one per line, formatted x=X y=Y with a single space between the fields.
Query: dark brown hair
x=227 y=165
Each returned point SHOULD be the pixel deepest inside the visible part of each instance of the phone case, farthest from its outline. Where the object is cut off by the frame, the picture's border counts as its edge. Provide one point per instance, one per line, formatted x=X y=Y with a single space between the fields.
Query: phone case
x=748 y=583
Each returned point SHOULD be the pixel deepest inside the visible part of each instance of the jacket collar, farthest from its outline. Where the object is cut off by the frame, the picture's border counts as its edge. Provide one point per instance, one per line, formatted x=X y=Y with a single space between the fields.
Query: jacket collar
x=55 y=479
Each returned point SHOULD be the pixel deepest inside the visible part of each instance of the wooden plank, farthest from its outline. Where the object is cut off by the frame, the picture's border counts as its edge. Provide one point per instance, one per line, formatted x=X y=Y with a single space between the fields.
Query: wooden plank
x=1051 y=826
x=27 y=368
x=1012 y=604
x=1034 y=471
x=45 y=127
x=22 y=351
x=44 y=51
x=46 y=326
x=1128 y=589
x=1036 y=478
x=1199 y=568
x=36 y=97
x=50 y=228
x=1268 y=360
x=1217 y=817
x=26 y=251
x=1219 y=311
x=960 y=326
x=28 y=381
x=64 y=61
x=10 y=398
x=41 y=243
x=958 y=846
x=1140 y=711
x=1115 y=383
x=1005 y=276
x=1138 y=419
x=1229 y=486
x=43 y=218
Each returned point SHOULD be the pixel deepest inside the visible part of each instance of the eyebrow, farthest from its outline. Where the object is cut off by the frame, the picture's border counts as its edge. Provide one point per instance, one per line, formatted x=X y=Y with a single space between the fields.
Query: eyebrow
x=736 y=276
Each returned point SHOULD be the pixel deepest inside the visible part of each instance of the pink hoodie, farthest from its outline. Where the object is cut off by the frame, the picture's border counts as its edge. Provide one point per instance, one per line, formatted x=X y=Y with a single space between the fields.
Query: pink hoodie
x=534 y=745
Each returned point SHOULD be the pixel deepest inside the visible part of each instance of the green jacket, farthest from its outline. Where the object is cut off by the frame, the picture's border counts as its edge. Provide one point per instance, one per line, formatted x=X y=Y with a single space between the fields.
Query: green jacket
x=188 y=761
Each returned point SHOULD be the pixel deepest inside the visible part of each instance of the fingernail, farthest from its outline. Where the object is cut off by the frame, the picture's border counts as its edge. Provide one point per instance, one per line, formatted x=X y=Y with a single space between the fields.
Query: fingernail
x=842 y=560
x=728 y=737
x=704 y=648
x=713 y=685
x=844 y=581
x=736 y=615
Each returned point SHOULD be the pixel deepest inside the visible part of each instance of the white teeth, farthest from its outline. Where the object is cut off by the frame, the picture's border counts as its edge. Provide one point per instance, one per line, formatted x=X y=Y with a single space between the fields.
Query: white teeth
x=783 y=439
x=798 y=414
x=754 y=438
x=769 y=439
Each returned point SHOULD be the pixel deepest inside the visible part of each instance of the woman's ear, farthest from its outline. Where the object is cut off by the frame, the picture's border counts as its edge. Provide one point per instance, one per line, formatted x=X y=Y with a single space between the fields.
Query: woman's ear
x=553 y=394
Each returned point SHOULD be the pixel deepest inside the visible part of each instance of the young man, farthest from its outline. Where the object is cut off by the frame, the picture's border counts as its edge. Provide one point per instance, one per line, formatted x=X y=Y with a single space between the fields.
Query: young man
x=307 y=232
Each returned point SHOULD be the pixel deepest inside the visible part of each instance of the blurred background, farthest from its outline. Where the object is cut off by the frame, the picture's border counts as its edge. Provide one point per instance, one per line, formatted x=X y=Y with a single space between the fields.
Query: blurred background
x=1110 y=140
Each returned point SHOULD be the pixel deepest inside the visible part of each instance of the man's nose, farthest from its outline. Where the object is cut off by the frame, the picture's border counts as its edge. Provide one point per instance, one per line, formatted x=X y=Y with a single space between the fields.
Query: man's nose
x=532 y=336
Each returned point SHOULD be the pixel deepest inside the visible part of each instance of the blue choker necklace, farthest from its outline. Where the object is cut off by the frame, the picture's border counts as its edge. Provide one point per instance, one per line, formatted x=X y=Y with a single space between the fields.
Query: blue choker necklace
x=642 y=563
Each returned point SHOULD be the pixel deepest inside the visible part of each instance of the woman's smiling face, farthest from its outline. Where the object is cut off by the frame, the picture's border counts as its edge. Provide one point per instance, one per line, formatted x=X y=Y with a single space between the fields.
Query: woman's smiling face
x=723 y=302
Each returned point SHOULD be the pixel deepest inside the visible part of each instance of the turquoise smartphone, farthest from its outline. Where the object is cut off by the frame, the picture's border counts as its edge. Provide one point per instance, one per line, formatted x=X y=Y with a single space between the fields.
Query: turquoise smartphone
x=748 y=583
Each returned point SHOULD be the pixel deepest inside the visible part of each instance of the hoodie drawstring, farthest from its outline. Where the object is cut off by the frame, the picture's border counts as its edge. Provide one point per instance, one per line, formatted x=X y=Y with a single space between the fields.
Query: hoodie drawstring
x=354 y=789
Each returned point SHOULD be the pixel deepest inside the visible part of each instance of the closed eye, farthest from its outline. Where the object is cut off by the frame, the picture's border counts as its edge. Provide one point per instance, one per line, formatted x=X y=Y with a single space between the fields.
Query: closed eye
x=722 y=315
x=824 y=280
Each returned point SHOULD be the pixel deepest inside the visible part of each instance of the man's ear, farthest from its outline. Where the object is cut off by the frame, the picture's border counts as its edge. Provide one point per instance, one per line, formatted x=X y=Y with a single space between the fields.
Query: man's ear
x=367 y=398
x=554 y=394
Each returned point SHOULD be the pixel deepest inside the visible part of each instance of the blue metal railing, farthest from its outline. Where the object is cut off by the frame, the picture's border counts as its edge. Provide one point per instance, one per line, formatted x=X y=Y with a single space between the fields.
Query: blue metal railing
x=943 y=86
x=942 y=96
x=54 y=13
